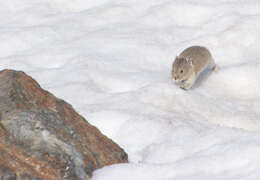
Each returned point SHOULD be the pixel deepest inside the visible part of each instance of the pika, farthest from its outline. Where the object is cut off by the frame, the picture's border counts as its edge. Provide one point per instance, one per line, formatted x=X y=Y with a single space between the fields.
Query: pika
x=189 y=64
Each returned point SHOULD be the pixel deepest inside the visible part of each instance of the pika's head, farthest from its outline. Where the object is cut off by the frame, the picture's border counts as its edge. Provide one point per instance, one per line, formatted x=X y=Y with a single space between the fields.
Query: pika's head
x=182 y=69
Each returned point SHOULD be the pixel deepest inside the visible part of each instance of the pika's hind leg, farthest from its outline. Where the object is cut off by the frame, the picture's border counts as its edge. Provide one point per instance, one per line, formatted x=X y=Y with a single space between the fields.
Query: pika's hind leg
x=213 y=65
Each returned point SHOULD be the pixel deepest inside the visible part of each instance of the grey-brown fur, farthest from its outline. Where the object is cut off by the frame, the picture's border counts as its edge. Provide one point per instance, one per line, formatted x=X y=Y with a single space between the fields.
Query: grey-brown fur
x=189 y=64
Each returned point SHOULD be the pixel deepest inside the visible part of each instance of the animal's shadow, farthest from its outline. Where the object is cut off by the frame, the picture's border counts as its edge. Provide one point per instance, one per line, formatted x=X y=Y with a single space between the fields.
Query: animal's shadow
x=204 y=75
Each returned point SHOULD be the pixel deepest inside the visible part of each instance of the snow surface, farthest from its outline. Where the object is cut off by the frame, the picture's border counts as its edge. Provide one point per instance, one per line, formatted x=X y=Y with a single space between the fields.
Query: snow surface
x=111 y=59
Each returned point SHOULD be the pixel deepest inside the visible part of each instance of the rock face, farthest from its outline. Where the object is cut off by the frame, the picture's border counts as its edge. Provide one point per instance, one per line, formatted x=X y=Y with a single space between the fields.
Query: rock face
x=42 y=137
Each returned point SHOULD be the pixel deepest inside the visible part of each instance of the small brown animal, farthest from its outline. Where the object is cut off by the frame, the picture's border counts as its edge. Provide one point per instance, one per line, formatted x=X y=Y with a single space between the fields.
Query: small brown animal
x=189 y=64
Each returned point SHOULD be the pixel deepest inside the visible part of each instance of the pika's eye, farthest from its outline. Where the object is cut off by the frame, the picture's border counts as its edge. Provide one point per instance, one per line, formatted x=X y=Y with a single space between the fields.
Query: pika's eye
x=181 y=71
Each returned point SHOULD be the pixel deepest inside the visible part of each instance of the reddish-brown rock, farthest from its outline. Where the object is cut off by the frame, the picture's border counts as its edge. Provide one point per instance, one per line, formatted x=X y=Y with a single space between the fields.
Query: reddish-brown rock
x=43 y=137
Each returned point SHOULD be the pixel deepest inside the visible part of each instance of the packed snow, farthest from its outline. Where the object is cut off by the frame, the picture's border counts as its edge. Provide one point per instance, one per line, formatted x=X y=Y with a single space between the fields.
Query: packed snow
x=111 y=59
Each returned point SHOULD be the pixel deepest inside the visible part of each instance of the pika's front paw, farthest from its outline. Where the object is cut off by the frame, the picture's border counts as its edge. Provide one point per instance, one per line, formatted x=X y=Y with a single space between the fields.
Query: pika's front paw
x=185 y=87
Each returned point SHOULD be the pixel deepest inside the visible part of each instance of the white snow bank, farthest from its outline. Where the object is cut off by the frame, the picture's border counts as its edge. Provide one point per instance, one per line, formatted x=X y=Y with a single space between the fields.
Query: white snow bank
x=112 y=60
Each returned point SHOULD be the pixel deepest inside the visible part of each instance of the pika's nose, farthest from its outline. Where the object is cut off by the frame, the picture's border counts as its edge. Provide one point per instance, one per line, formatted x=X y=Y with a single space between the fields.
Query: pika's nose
x=175 y=78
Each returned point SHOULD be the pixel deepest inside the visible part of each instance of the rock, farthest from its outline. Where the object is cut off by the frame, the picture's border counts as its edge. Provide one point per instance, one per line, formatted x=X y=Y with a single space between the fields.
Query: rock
x=43 y=137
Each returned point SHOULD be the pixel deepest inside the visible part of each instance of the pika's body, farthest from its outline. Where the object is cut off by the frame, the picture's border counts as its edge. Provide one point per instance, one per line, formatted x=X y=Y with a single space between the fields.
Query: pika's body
x=190 y=63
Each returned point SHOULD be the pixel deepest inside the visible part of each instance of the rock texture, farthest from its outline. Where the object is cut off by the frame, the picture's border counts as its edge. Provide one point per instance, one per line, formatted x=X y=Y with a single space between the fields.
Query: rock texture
x=42 y=137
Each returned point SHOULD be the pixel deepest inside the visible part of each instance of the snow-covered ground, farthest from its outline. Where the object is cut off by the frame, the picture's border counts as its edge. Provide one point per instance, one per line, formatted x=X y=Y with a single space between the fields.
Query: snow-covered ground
x=111 y=59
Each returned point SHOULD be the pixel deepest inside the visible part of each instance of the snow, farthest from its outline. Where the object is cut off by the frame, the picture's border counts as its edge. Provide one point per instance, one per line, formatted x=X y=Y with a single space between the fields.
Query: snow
x=112 y=61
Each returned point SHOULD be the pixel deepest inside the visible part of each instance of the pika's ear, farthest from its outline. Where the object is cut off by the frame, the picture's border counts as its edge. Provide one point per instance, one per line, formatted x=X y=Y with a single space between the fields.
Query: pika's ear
x=189 y=60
